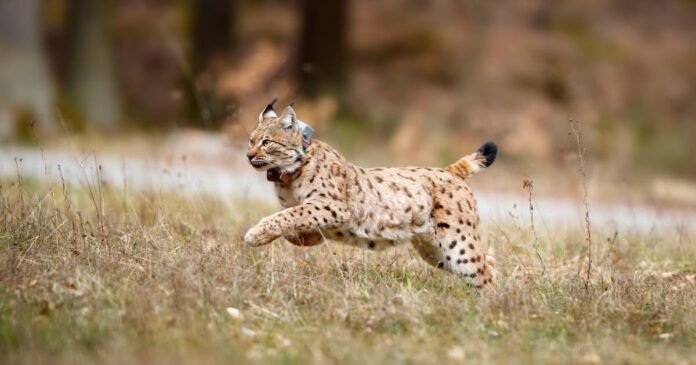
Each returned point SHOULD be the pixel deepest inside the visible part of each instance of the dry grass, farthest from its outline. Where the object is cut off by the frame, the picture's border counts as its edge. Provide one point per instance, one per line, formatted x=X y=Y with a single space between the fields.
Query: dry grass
x=95 y=275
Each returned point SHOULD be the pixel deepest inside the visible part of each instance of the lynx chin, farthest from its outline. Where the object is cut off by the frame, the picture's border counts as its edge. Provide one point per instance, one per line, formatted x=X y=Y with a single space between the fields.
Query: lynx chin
x=325 y=196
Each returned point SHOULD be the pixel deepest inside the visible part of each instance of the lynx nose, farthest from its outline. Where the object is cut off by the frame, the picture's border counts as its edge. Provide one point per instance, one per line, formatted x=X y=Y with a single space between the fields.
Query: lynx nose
x=251 y=155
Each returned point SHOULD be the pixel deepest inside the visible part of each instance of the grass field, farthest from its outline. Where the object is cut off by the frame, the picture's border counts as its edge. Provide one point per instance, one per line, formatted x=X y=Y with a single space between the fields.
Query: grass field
x=92 y=274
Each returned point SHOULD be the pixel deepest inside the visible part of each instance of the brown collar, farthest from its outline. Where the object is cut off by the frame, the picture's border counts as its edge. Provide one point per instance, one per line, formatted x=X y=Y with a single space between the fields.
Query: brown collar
x=284 y=178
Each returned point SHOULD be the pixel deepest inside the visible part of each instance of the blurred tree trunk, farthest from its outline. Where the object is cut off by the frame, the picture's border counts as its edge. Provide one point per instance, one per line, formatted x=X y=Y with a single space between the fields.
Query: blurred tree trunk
x=212 y=31
x=25 y=84
x=91 y=83
x=212 y=40
x=323 y=46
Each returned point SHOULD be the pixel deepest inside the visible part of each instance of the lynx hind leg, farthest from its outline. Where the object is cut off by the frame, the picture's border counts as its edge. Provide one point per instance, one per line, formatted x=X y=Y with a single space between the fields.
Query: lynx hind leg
x=458 y=242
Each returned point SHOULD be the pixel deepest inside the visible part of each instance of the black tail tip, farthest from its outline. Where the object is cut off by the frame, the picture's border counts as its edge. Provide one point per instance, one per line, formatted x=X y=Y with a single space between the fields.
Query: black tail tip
x=489 y=150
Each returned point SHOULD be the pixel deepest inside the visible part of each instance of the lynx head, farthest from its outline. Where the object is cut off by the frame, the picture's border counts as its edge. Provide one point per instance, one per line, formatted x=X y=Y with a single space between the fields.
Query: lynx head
x=276 y=142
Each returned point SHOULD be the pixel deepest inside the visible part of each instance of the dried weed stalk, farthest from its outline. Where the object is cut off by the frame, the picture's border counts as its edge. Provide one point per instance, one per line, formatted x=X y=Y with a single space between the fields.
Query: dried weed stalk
x=529 y=185
x=576 y=131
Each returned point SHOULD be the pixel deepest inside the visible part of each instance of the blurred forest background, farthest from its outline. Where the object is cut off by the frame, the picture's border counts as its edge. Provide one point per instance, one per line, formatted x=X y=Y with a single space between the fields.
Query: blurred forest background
x=415 y=82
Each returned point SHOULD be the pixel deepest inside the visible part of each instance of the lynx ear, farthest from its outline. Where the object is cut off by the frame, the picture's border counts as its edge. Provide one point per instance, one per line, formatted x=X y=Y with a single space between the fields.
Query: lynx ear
x=288 y=120
x=269 y=112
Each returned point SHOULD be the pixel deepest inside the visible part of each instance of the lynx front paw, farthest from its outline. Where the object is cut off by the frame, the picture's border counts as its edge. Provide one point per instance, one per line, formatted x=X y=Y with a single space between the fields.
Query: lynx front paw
x=257 y=236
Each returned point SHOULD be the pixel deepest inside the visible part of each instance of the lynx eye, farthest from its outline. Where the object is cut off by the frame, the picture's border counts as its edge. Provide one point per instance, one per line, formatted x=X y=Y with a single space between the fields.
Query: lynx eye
x=265 y=142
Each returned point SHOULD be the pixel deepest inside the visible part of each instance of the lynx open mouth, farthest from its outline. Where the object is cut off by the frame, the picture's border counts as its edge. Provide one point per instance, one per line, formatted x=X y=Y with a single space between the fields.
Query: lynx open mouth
x=258 y=164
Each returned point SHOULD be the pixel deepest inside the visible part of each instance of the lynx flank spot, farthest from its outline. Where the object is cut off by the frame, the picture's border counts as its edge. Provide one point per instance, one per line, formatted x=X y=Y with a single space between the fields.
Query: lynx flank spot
x=326 y=196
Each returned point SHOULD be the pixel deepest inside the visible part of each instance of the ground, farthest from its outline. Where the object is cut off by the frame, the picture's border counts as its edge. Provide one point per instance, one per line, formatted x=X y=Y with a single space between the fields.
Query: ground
x=95 y=274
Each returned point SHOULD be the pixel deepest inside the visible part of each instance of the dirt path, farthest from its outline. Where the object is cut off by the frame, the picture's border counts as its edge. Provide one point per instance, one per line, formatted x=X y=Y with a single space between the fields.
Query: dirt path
x=178 y=175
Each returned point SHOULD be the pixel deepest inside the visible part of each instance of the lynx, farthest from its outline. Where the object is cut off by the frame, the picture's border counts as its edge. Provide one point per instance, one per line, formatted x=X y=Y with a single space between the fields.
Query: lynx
x=327 y=197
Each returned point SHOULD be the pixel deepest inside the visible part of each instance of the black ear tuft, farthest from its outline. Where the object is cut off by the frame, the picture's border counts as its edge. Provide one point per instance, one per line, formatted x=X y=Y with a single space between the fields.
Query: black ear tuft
x=489 y=150
x=269 y=107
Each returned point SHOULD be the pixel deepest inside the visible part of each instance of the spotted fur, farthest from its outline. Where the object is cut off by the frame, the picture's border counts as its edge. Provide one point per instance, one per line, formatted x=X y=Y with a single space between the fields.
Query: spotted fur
x=373 y=208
